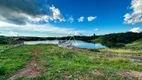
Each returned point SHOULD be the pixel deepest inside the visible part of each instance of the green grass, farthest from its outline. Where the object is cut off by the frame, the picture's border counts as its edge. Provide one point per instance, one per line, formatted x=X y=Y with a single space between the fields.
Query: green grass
x=6 y=46
x=63 y=64
x=81 y=63
x=1 y=47
x=134 y=48
x=97 y=40
x=12 y=60
x=122 y=51
x=136 y=45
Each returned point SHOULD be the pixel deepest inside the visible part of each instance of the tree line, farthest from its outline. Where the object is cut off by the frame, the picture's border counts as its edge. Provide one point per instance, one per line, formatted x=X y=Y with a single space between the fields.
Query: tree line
x=118 y=39
x=110 y=40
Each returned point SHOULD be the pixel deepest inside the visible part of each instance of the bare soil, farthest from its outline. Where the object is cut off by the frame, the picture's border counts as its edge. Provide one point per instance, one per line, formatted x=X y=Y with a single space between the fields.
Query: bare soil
x=130 y=73
x=30 y=71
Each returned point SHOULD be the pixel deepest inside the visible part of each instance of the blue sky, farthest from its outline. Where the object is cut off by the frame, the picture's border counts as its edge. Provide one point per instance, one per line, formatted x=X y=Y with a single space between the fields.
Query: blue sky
x=109 y=14
x=65 y=17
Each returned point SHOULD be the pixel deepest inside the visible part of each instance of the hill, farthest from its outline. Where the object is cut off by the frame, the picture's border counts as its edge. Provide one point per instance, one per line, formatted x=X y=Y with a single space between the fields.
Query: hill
x=118 y=39
x=136 y=45
x=134 y=48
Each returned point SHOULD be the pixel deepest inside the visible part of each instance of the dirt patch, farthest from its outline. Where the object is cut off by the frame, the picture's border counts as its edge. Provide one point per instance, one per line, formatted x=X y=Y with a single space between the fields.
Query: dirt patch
x=130 y=73
x=31 y=70
x=28 y=72
x=78 y=76
x=98 y=73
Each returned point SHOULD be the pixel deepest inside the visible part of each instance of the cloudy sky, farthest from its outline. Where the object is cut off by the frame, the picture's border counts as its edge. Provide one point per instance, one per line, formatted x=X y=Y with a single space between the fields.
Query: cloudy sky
x=69 y=17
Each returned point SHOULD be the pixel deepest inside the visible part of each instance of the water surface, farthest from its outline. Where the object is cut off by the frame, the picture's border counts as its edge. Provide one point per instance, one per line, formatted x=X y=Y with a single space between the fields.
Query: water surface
x=78 y=44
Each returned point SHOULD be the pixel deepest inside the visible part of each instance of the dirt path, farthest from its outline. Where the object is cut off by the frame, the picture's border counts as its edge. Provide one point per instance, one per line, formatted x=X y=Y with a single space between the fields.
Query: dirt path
x=110 y=54
x=130 y=73
x=30 y=71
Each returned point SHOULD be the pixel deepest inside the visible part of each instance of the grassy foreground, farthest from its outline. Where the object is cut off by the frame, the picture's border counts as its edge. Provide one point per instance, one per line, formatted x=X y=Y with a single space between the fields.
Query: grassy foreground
x=56 y=63
x=12 y=60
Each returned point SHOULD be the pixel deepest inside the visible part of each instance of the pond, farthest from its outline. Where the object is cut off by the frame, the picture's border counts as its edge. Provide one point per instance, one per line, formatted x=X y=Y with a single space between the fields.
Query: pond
x=78 y=44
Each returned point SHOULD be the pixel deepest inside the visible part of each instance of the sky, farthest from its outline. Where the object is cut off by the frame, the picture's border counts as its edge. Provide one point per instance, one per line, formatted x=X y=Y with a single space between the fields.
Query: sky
x=47 y=18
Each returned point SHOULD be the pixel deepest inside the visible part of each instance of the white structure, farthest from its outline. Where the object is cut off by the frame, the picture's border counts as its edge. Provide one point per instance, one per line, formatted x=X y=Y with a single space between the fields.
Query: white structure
x=67 y=43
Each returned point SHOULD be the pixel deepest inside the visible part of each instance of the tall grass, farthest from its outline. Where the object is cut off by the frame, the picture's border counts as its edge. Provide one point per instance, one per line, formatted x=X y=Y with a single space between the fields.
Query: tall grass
x=136 y=45
x=62 y=64
x=122 y=51
x=71 y=65
x=134 y=48
x=12 y=60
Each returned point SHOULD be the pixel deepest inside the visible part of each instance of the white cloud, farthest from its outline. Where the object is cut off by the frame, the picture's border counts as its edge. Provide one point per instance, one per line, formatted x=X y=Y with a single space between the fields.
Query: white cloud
x=96 y=29
x=136 y=30
x=136 y=15
x=6 y=27
x=91 y=18
x=81 y=19
x=56 y=14
x=77 y=33
x=9 y=33
x=71 y=19
x=28 y=11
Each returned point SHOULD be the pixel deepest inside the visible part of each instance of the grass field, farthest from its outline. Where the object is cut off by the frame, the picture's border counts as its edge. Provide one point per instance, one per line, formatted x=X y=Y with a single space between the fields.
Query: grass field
x=122 y=51
x=1 y=47
x=12 y=60
x=4 y=47
x=136 y=45
x=54 y=63
x=134 y=48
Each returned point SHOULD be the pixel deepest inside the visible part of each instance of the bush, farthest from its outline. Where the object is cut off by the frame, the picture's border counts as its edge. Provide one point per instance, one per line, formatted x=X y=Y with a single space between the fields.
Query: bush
x=95 y=50
x=120 y=45
x=2 y=41
x=2 y=70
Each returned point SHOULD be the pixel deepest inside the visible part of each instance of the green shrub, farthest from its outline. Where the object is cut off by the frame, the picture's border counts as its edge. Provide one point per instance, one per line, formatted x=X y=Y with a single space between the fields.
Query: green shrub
x=95 y=50
x=120 y=45
x=2 y=70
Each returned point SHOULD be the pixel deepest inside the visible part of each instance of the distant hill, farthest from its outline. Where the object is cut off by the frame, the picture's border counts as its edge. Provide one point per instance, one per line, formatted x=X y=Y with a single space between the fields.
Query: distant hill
x=118 y=39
